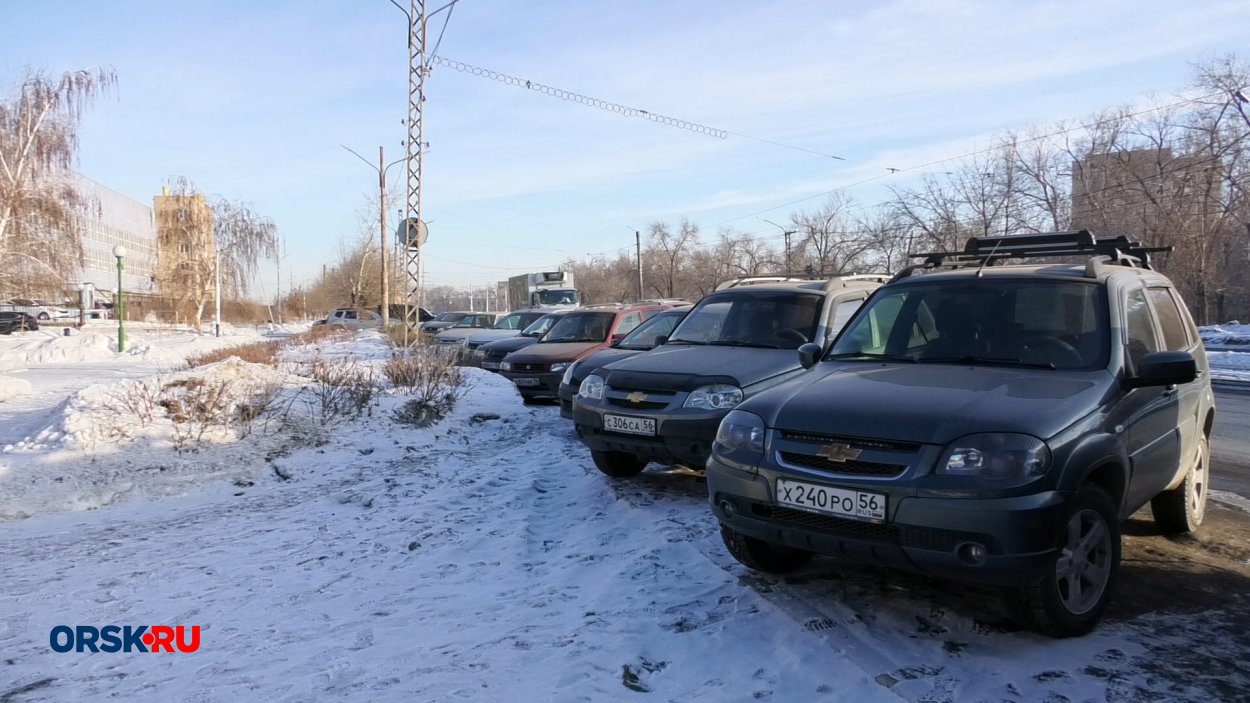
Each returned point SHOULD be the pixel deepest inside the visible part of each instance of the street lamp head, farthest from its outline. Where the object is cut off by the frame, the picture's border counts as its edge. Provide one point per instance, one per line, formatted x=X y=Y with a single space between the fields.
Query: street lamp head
x=119 y=251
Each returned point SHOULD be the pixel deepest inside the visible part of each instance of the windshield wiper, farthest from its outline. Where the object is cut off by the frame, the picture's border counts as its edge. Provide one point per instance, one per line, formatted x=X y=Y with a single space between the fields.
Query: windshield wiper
x=987 y=360
x=687 y=341
x=850 y=356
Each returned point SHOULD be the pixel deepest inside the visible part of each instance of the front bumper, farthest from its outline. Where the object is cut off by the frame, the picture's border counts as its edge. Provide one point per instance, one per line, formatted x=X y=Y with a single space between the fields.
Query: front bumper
x=1021 y=535
x=684 y=438
x=536 y=385
x=567 y=393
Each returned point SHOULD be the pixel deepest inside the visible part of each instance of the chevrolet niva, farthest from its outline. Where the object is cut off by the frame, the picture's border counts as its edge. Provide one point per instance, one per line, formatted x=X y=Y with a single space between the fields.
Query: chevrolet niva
x=982 y=422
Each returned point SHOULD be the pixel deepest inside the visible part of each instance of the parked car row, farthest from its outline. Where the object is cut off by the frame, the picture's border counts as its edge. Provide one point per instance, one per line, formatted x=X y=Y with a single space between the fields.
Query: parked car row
x=12 y=321
x=965 y=418
x=39 y=309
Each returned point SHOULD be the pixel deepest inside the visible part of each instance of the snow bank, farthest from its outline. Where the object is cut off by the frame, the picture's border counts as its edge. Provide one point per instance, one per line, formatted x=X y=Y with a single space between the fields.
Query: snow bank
x=11 y=387
x=23 y=351
x=175 y=433
x=1229 y=365
x=1231 y=336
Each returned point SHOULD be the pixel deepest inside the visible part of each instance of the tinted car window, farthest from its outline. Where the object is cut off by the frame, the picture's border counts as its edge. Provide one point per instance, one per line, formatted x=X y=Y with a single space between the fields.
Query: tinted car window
x=581 y=327
x=843 y=313
x=515 y=321
x=1054 y=324
x=645 y=335
x=1169 y=316
x=1141 y=333
x=776 y=320
x=629 y=322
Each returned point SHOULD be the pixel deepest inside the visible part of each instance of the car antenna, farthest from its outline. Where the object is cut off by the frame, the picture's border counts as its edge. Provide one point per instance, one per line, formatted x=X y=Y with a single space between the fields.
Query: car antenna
x=986 y=260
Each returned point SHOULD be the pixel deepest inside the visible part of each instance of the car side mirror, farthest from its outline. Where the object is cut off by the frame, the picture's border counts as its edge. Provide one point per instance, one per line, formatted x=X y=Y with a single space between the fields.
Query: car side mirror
x=661 y=339
x=616 y=338
x=1164 y=368
x=808 y=354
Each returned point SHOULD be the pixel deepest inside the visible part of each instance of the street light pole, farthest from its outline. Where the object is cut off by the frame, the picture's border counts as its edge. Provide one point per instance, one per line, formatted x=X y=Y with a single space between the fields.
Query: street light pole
x=386 y=274
x=216 y=290
x=119 y=251
x=786 y=234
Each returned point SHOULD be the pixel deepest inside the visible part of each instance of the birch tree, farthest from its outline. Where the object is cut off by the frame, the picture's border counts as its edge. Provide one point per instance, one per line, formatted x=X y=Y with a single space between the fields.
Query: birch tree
x=39 y=243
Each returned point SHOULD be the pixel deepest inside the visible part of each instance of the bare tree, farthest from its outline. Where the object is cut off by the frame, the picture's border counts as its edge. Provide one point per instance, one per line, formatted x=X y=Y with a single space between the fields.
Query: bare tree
x=199 y=241
x=670 y=250
x=38 y=144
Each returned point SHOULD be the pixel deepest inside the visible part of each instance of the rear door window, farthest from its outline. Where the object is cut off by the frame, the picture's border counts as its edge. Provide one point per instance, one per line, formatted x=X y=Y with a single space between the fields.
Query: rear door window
x=1169 y=315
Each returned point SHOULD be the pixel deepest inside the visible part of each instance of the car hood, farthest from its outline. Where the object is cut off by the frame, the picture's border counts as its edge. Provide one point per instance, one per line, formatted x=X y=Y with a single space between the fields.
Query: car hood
x=928 y=403
x=599 y=359
x=685 y=367
x=484 y=336
x=552 y=352
x=458 y=333
x=511 y=344
x=434 y=325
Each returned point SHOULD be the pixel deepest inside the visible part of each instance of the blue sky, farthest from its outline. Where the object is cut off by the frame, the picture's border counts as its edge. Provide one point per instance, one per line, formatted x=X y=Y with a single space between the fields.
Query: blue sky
x=252 y=100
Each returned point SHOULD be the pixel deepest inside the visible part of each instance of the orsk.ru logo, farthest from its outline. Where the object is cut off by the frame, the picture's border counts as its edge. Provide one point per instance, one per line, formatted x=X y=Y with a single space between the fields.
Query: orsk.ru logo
x=128 y=638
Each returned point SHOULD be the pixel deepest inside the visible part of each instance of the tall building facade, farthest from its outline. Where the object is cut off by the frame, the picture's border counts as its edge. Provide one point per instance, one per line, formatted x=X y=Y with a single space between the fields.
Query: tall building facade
x=108 y=219
x=184 y=233
x=1135 y=192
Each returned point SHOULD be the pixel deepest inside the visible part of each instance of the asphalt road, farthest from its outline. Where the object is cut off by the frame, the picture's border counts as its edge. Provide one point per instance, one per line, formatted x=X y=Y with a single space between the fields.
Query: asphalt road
x=1230 y=443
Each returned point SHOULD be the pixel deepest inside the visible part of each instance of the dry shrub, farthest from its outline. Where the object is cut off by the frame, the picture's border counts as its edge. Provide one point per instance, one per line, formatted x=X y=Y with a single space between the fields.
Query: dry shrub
x=433 y=379
x=343 y=388
x=265 y=353
x=318 y=333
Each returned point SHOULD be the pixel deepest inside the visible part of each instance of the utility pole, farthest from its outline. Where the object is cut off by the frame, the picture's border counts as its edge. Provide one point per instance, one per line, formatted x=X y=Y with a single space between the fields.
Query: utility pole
x=386 y=283
x=278 y=293
x=785 y=233
x=415 y=142
x=638 y=259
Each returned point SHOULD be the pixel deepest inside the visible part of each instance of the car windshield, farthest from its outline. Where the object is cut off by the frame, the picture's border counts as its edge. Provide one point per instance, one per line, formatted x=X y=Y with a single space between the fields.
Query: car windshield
x=581 y=327
x=777 y=320
x=515 y=321
x=1034 y=323
x=540 y=326
x=645 y=335
x=558 y=297
x=474 y=321
x=451 y=317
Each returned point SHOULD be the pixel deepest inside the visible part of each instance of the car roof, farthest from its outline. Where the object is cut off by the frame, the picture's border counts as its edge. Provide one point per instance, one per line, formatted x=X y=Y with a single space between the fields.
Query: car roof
x=1101 y=273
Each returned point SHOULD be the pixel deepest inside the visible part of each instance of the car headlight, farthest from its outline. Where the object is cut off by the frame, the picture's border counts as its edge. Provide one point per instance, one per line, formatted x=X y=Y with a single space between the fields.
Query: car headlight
x=592 y=387
x=740 y=439
x=996 y=456
x=714 y=397
x=505 y=366
x=567 y=379
x=559 y=367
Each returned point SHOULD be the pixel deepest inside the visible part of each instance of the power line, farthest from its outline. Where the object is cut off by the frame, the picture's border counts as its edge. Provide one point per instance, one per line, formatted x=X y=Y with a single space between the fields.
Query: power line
x=629 y=111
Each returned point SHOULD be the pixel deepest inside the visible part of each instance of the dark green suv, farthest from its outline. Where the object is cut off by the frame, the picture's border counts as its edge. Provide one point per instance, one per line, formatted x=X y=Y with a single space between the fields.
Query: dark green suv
x=983 y=422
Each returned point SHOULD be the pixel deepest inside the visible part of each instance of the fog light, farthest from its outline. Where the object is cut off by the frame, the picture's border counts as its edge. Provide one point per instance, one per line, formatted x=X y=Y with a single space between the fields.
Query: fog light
x=971 y=553
x=727 y=507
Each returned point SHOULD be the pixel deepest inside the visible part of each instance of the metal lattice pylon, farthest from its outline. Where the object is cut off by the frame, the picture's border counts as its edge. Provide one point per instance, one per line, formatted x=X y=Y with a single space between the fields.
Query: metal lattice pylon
x=416 y=101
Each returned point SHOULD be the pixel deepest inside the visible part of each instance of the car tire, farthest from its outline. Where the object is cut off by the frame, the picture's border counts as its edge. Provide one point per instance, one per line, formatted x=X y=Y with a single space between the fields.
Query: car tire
x=763 y=556
x=44 y=316
x=1182 y=509
x=1060 y=604
x=618 y=464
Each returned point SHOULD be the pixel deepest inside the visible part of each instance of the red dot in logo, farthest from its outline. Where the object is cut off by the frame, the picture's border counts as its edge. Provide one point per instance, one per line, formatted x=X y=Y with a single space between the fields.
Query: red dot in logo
x=148 y=638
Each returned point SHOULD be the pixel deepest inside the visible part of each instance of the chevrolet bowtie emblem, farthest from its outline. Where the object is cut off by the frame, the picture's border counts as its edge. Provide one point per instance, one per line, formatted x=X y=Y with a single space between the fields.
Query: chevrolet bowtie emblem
x=839 y=452
x=636 y=397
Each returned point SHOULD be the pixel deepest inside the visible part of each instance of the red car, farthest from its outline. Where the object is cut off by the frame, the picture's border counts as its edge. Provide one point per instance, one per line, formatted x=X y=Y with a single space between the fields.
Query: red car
x=537 y=369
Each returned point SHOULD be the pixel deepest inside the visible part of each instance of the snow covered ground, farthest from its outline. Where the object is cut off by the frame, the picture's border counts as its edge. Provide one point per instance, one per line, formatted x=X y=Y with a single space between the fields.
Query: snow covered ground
x=1228 y=351
x=484 y=558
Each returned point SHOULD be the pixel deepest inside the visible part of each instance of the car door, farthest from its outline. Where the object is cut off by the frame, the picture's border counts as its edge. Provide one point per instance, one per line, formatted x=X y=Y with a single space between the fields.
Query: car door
x=1179 y=335
x=1151 y=415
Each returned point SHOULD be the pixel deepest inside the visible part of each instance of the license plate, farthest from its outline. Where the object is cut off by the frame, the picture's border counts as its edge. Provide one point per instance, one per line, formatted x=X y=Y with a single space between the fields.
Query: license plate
x=493 y=365
x=523 y=381
x=858 y=505
x=629 y=425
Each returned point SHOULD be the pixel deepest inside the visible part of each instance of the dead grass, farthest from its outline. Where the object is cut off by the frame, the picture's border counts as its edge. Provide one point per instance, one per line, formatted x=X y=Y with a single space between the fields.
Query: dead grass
x=265 y=353
x=433 y=379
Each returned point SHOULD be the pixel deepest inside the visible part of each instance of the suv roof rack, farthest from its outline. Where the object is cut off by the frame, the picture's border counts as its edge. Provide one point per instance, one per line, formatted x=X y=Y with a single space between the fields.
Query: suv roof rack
x=843 y=281
x=756 y=280
x=989 y=251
